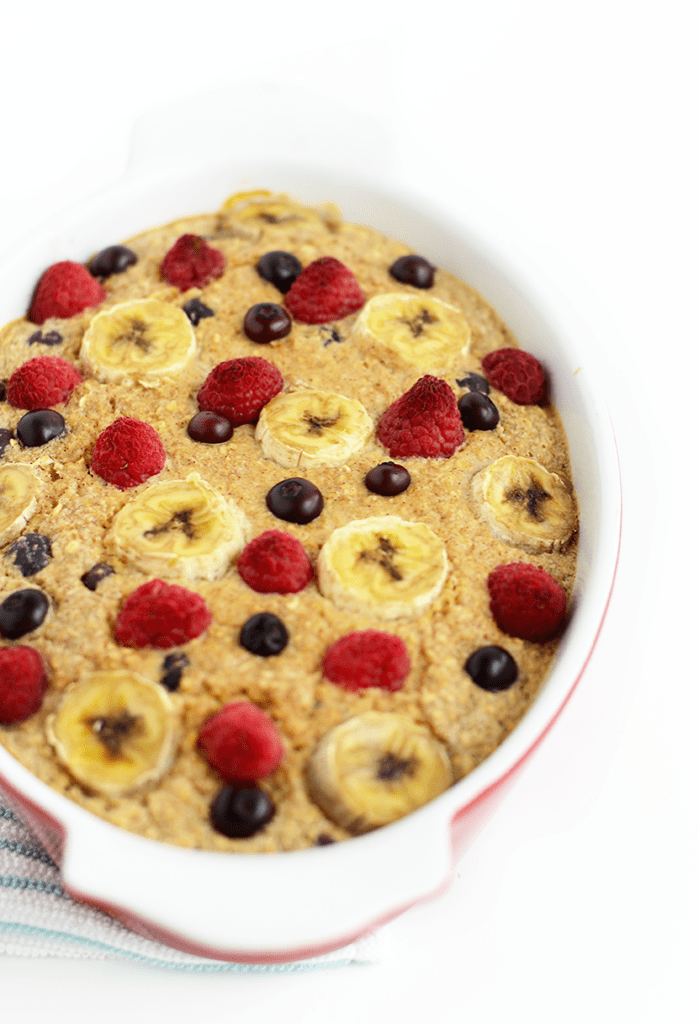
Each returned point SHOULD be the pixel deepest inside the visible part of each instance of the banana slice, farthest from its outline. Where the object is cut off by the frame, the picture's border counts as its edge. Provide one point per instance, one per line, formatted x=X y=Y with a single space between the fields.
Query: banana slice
x=423 y=332
x=19 y=490
x=385 y=566
x=180 y=529
x=143 y=340
x=524 y=504
x=303 y=429
x=376 y=768
x=277 y=208
x=114 y=731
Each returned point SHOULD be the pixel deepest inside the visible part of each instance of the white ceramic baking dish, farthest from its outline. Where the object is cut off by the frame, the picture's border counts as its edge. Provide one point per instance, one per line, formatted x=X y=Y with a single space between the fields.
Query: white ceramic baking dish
x=276 y=908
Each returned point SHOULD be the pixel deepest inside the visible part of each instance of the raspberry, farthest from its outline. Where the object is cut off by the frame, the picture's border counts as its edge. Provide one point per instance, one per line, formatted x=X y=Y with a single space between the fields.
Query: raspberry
x=63 y=290
x=241 y=743
x=127 y=453
x=425 y=421
x=517 y=374
x=239 y=388
x=325 y=290
x=42 y=382
x=526 y=602
x=159 y=614
x=275 y=563
x=367 y=658
x=22 y=684
x=192 y=263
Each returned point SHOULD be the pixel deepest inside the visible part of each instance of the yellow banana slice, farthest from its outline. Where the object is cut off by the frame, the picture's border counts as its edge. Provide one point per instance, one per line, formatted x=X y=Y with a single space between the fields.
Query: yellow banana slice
x=422 y=332
x=374 y=769
x=180 y=529
x=143 y=340
x=114 y=731
x=277 y=208
x=385 y=566
x=524 y=504
x=19 y=490
x=303 y=429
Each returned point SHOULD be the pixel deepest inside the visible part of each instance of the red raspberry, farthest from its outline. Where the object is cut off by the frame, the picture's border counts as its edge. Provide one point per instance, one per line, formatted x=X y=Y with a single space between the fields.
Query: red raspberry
x=275 y=563
x=425 y=421
x=367 y=658
x=192 y=263
x=22 y=684
x=42 y=382
x=526 y=602
x=159 y=614
x=63 y=290
x=325 y=290
x=127 y=453
x=241 y=743
x=239 y=389
x=517 y=374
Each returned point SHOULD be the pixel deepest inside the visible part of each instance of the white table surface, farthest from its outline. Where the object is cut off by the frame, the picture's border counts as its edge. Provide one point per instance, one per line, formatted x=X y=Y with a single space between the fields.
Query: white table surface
x=578 y=901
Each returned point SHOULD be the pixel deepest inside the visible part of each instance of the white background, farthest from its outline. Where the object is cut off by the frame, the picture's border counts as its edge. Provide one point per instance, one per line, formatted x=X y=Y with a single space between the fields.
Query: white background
x=576 y=126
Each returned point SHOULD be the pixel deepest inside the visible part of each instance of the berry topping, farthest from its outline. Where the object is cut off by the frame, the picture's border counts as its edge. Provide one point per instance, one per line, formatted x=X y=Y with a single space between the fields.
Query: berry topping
x=474 y=382
x=492 y=668
x=240 y=813
x=192 y=263
x=295 y=500
x=22 y=612
x=63 y=290
x=367 y=658
x=196 y=310
x=39 y=427
x=115 y=259
x=324 y=839
x=264 y=634
x=22 y=684
x=127 y=453
x=414 y=270
x=265 y=322
x=279 y=268
x=3 y=390
x=240 y=388
x=387 y=479
x=275 y=563
x=50 y=338
x=6 y=436
x=517 y=374
x=94 y=576
x=210 y=428
x=173 y=667
x=159 y=614
x=478 y=412
x=42 y=382
x=526 y=602
x=325 y=290
x=31 y=553
x=241 y=743
x=424 y=422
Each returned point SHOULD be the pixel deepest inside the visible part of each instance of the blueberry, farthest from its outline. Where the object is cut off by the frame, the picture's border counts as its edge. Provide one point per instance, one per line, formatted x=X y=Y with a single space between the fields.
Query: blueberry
x=492 y=668
x=173 y=666
x=414 y=270
x=264 y=634
x=39 y=427
x=279 y=268
x=478 y=412
x=196 y=310
x=265 y=322
x=22 y=612
x=295 y=500
x=50 y=338
x=3 y=390
x=115 y=259
x=31 y=553
x=240 y=813
x=387 y=479
x=95 y=575
x=474 y=382
x=210 y=428
x=324 y=839
x=5 y=438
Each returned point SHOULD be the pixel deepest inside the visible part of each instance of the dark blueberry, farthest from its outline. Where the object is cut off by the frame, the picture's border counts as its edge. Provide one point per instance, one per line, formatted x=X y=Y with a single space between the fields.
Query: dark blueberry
x=22 y=612
x=478 y=412
x=31 y=553
x=50 y=338
x=210 y=428
x=5 y=438
x=324 y=839
x=3 y=390
x=39 y=427
x=96 y=574
x=173 y=667
x=280 y=268
x=240 y=813
x=264 y=634
x=196 y=311
x=115 y=259
x=474 y=382
x=295 y=500
x=265 y=322
x=492 y=668
x=414 y=270
x=387 y=479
